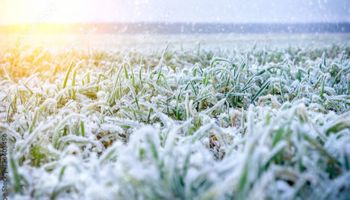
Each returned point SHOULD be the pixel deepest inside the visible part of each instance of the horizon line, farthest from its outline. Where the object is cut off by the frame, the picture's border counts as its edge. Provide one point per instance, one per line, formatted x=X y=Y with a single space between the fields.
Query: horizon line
x=177 y=28
x=165 y=22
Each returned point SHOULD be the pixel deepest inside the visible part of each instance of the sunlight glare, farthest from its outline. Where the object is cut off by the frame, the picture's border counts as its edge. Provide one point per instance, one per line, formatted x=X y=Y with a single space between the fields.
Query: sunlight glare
x=43 y=11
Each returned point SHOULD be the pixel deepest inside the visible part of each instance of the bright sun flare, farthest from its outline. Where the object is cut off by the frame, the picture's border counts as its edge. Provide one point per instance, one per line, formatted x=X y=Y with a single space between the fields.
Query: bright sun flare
x=43 y=11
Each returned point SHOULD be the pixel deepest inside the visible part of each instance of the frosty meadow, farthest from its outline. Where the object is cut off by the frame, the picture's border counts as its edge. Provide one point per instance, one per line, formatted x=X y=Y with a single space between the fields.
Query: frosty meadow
x=178 y=121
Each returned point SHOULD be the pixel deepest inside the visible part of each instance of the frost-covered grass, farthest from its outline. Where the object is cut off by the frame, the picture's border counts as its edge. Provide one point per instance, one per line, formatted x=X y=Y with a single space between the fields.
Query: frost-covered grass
x=177 y=124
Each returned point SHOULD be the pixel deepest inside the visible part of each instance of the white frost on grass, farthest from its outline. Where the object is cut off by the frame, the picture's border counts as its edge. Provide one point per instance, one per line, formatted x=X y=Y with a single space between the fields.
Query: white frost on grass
x=181 y=124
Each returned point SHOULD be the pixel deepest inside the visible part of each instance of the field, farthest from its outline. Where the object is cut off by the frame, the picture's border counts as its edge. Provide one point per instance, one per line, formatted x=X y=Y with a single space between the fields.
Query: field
x=166 y=117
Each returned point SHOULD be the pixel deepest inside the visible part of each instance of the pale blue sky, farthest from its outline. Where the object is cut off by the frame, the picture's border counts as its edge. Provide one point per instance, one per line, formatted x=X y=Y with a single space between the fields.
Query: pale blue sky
x=241 y=11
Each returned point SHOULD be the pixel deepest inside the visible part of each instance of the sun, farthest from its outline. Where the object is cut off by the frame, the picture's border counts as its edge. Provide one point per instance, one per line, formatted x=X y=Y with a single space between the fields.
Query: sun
x=42 y=11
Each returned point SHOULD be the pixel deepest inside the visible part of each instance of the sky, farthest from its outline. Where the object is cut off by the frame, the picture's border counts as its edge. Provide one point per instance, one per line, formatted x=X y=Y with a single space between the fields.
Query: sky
x=219 y=11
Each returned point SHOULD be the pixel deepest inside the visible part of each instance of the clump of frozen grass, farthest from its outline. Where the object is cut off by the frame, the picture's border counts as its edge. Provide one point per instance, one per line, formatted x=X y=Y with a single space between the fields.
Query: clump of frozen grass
x=177 y=124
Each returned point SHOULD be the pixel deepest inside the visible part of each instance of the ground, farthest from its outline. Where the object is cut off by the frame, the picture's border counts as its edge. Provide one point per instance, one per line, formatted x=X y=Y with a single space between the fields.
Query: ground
x=177 y=117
